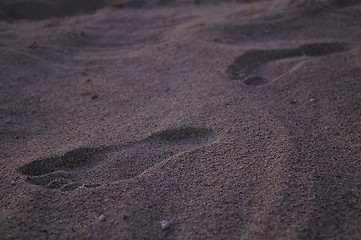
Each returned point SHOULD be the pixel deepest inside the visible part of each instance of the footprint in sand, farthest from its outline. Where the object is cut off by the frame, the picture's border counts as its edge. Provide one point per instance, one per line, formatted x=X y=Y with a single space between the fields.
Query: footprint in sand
x=91 y=167
x=252 y=66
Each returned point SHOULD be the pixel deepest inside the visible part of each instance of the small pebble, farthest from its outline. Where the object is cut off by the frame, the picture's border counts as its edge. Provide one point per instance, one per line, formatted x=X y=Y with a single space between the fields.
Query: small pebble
x=7 y=121
x=94 y=97
x=117 y=5
x=86 y=93
x=102 y=218
x=292 y=102
x=33 y=45
x=312 y=100
x=165 y=224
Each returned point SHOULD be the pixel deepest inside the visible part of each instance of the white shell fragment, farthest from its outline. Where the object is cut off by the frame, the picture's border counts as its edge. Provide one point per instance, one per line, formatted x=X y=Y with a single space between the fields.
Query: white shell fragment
x=165 y=224
x=102 y=218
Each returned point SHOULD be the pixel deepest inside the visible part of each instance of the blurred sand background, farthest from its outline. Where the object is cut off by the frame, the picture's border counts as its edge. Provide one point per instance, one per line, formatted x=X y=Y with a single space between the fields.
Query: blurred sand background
x=229 y=119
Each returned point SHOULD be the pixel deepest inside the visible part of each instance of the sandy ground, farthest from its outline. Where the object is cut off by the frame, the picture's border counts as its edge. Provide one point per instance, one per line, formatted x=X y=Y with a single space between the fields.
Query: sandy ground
x=228 y=119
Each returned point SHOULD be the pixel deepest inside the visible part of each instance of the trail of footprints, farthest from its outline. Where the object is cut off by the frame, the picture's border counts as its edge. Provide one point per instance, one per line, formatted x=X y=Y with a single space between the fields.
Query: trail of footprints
x=248 y=67
x=91 y=167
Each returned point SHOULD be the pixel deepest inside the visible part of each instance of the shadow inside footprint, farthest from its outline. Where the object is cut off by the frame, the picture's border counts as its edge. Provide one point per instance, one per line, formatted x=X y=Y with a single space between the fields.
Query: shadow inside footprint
x=55 y=172
x=91 y=167
x=78 y=158
x=245 y=67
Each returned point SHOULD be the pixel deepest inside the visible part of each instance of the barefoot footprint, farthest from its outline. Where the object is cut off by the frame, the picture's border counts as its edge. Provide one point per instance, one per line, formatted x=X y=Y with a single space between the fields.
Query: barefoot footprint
x=248 y=67
x=91 y=167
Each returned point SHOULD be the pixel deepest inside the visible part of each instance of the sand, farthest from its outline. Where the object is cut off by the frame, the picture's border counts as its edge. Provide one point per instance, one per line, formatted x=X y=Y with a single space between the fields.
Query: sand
x=180 y=119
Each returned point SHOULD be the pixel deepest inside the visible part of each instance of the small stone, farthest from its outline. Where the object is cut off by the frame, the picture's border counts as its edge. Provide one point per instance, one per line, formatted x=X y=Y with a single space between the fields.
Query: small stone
x=125 y=216
x=292 y=102
x=94 y=97
x=312 y=100
x=117 y=5
x=102 y=218
x=7 y=121
x=33 y=45
x=86 y=93
x=165 y=224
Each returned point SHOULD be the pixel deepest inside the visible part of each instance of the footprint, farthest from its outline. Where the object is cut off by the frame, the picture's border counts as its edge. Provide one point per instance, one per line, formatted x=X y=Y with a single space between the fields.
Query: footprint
x=91 y=167
x=55 y=173
x=250 y=66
